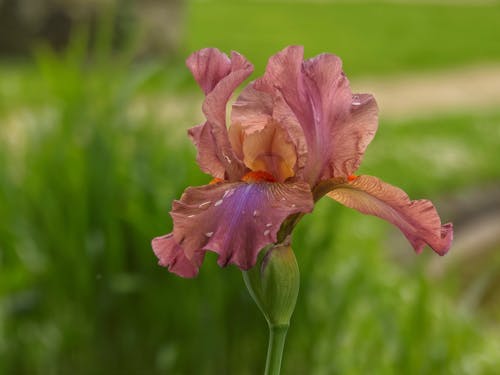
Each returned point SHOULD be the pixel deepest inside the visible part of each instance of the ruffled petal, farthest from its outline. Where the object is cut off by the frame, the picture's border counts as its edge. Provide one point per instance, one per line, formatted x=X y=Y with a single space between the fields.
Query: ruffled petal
x=235 y=220
x=269 y=150
x=350 y=139
x=208 y=157
x=208 y=66
x=418 y=220
x=337 y=125
x=171 y=255
x=218 y=76
x=266 y=135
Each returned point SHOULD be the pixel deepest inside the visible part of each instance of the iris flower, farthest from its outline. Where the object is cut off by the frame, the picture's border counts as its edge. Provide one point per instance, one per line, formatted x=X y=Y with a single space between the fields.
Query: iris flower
x=295 y=135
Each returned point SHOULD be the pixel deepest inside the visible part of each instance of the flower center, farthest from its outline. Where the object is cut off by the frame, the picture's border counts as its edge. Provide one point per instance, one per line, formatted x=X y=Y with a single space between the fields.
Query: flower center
x=258 y=176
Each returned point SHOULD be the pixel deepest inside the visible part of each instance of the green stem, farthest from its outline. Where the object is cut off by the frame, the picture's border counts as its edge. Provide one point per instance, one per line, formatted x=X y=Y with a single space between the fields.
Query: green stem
x=277 y=336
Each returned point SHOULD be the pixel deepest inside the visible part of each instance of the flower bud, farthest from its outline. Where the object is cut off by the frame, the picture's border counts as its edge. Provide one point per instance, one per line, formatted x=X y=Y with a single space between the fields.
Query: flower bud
x=274 y=284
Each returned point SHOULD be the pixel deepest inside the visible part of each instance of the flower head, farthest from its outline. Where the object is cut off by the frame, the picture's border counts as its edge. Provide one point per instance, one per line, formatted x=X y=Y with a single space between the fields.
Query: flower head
x=296 y=134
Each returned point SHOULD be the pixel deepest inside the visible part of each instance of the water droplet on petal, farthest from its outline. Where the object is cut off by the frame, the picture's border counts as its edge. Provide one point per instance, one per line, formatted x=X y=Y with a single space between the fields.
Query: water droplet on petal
x=256 y=213
x=294 y=205
x=204 y=204
x=228 y=193
x=209 y=234
x=266 y=232
x=193 y=215
x=356 y=100
x=218 y=203
x=227 y=158
x=269 y=225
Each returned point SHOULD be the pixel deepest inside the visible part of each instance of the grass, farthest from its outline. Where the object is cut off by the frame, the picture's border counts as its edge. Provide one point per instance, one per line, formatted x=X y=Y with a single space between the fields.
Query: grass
x=80 y=288
x=84 y=186
x=372 y=38
x=454 y=151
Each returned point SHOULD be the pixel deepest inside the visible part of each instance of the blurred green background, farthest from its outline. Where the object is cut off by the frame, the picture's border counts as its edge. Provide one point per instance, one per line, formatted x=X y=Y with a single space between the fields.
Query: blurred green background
x=94 y=106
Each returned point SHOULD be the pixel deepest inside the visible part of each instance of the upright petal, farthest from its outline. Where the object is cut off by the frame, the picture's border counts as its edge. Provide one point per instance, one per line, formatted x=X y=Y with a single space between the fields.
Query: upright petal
x=208 y=66
x=350 y=139
x=171 y=255
x=251 y=112
x=337 y=125
x=264 y=127
x=235 y=220
x=271 y=151
x=218 y=76
x=418 y=220
x=208 y=157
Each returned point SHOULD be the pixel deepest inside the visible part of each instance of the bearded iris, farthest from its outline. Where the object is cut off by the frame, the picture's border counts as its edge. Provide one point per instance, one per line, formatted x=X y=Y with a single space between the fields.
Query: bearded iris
x=296 y=134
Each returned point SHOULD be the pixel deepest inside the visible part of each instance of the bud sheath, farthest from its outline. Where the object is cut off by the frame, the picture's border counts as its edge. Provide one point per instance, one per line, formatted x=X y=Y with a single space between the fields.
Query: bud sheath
x=274 y=285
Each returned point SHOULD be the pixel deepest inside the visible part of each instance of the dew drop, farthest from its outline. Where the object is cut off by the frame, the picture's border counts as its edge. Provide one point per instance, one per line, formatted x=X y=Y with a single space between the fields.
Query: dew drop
x=193 y=215
x=256 y=213
x=228 y=193
x=294 y=205
x=227 y=158
x=268 y=225
x=218 y=203
x=209 y=234
x=356 y=100
x=266 y=232
x=204 y=204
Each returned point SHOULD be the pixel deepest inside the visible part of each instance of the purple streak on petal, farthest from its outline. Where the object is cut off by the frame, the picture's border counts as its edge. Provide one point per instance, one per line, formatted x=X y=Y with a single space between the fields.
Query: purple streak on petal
x=418 y=220
x=171 y=255
x=236 y=220
x=218 y=76
x=337 y=127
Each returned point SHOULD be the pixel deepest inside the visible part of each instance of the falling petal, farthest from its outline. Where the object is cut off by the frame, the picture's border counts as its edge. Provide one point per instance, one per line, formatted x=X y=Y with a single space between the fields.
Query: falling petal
x=418 y=220
x=171 y=255
x=231 y=227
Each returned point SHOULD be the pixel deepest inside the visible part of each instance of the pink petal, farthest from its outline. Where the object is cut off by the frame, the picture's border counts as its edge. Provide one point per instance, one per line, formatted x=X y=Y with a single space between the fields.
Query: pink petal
x=270 y=150
x=208 y=157
x=171 y=255
x=418 y=220
x=350 y=139
x=236 y=220
x=218 y=76
x=251 y=112
x=208 y=66
x=337 y=125
x=264 y=127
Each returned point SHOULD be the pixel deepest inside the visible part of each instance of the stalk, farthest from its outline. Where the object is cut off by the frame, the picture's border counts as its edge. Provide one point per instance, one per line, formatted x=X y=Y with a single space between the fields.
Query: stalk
x=273 y=283
x=277 y=336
